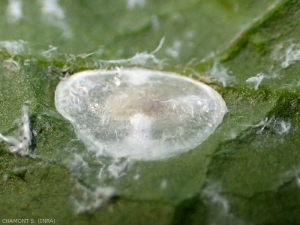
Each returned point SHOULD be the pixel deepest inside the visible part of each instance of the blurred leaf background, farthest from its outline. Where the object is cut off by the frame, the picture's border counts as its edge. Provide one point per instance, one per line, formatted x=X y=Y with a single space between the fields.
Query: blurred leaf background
x=247 y=172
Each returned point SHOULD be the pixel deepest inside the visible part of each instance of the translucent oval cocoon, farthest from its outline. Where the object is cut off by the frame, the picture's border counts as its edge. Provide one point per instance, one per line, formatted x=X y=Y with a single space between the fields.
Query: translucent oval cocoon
x=137 y=113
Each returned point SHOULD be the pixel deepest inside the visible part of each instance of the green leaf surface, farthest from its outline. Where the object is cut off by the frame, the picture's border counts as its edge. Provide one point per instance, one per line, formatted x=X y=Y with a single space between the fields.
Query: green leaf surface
x=246 y=172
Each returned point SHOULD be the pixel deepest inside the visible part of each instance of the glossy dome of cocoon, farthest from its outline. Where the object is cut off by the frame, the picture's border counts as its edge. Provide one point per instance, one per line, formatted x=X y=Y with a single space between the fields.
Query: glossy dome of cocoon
x=137 y=113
